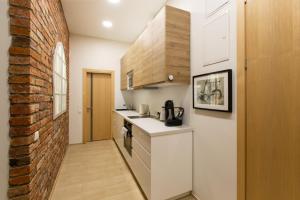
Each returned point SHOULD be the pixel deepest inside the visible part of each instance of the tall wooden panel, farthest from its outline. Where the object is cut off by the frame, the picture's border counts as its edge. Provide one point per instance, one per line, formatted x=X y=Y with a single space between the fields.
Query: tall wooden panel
x=273 y=106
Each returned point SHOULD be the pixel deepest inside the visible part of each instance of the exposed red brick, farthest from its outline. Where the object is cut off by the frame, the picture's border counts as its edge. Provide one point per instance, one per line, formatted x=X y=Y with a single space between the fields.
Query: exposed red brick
x=40 y=82
x=19 y=31
x=31 y=98
x=20 y=3
x=24 y=109
x=19 y=151
x=24 y=130
x=22 y=22
x=17 y=60
x=23 y=120
x=19 y=51
x=18 y=191
x=26 y=70
x=24 y=89
x=23 y=197
x=36 y=26
x=20 y=161
x=35 y=54
x=19 y=69
x=21 y=141
x=19 y=171
x=26 y=79
x=19 y=180
x=19 y=12
x=20 y=42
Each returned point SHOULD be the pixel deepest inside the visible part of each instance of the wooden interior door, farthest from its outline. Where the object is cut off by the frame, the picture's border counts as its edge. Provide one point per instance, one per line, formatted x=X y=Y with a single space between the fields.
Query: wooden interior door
x=88 y=120
x=102 y=106
x=273 y=100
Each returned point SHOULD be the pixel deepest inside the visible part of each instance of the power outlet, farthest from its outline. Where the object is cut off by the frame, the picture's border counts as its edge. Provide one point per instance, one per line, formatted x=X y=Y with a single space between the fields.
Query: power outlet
x=36 y=135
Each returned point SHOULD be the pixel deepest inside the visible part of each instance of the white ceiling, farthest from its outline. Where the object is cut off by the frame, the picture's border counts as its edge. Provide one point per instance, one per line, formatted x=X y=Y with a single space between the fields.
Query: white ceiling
x=129 y=17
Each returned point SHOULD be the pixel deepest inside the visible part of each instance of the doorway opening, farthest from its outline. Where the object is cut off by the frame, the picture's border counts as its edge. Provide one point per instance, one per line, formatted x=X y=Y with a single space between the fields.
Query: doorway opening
x=98 y=104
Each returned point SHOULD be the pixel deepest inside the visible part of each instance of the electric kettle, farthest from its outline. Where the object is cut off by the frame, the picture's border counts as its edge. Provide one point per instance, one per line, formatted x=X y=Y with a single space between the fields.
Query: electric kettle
x=170 y=118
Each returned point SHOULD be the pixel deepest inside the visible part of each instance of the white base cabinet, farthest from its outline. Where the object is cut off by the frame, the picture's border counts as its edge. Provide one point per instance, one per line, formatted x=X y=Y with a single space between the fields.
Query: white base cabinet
x=171 y=165
x=161 y=164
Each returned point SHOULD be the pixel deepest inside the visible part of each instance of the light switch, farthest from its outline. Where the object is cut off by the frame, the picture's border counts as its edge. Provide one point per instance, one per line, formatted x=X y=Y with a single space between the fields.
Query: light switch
x=36 y=135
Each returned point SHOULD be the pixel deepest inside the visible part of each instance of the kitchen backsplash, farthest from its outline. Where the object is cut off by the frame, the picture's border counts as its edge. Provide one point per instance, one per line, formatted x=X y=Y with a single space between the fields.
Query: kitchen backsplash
x=156 y=98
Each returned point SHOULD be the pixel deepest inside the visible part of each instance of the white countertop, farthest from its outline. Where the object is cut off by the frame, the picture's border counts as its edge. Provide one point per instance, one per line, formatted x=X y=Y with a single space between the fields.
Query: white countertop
x=153 y=127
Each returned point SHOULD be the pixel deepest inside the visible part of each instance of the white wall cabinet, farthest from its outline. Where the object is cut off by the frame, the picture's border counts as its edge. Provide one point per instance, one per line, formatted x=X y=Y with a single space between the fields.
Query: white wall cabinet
x=211 y=6
x=216 y=39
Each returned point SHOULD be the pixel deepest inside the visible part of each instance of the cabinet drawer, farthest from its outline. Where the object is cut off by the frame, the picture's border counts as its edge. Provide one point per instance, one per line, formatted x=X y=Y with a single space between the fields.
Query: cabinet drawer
x=142 y=138
x=142 y=153
x=117 y=124
x=142 y=174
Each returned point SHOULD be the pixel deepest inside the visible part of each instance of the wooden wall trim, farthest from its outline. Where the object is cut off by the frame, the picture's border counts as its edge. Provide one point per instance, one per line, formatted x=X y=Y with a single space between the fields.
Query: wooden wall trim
x=85 y=71
x=241 y=101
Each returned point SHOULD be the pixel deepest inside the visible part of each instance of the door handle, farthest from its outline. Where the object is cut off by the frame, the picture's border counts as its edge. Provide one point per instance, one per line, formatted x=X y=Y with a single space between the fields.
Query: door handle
x=89 y=108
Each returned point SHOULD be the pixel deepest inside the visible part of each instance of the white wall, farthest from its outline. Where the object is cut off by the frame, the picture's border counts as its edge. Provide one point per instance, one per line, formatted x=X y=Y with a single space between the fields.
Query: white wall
x=93 y=53
x=4 y=100
x=215 y=145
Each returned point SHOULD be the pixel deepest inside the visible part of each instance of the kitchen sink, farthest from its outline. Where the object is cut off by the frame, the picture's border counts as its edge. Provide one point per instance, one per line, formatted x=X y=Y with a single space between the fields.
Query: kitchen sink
x=124 y=109
x=140 y=116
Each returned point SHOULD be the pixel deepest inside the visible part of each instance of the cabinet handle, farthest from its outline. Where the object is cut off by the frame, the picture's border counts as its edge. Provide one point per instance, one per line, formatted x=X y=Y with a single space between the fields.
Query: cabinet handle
x=171 y=77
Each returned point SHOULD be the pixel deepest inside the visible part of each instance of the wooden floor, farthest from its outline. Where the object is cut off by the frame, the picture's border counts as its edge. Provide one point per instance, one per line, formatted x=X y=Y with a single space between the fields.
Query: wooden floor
x=95 y=171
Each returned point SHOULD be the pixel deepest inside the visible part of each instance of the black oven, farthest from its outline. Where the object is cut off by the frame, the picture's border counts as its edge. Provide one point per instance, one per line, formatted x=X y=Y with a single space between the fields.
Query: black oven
x=128 y=136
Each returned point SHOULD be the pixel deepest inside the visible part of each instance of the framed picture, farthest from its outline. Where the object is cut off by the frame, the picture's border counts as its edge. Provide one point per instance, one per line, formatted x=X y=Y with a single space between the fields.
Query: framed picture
x=213 y=91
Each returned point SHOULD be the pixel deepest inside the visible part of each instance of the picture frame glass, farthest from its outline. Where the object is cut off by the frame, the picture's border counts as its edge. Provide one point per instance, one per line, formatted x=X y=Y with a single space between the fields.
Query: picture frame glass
x=213 y=91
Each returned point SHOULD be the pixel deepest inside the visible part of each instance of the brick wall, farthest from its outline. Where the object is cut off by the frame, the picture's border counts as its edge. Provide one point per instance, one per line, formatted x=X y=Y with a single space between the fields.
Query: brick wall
x=36 y=26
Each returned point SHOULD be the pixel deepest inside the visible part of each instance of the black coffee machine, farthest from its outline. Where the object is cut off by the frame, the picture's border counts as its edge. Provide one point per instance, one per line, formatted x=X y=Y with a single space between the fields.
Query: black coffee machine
x=171 y=119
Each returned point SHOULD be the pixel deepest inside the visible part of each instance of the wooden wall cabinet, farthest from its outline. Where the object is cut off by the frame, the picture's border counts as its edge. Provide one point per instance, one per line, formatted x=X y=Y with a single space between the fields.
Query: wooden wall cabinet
x=163 y=49
x=123 y=73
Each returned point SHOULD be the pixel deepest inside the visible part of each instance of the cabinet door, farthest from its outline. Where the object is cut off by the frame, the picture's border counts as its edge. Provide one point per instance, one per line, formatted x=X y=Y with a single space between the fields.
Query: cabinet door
x=142 y=174
x=114 y=125
x=137 y=72
x=123 y=73
x=162 y=49
x=132 y=58
x=158 y=47
x=216 y=40
x=178 y=44
x=142 y=138
x=147 y=56
x=117 y=124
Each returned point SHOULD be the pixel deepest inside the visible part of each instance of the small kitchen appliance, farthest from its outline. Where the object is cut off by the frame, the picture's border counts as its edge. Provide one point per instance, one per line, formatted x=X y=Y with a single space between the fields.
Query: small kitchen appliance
x=170 y=118
x=144 y=109
x=162 y=114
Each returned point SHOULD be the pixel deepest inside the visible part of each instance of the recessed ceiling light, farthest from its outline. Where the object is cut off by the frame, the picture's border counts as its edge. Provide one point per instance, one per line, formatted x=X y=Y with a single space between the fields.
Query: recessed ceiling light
x=107 y=24
x=114 y=1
